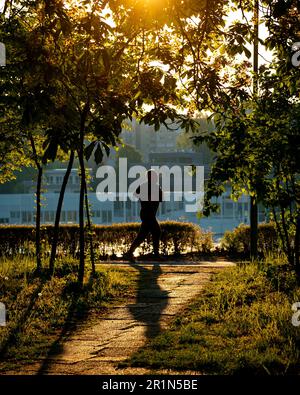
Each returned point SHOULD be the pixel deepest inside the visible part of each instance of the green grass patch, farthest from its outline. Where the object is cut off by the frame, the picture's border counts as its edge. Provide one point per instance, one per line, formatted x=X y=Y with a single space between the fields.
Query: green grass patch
x=239 y=324
x=41 y=312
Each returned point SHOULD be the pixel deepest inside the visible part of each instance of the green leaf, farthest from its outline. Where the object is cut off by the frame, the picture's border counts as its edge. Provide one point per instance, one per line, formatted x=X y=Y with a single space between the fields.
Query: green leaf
x=89 y=150
x=106 y=147
x=51 y=151
x=98 y=154
x=247 y=52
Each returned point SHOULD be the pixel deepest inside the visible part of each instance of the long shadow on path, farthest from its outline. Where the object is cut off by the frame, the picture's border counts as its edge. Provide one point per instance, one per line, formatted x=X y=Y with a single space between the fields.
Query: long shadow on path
x=151 y=300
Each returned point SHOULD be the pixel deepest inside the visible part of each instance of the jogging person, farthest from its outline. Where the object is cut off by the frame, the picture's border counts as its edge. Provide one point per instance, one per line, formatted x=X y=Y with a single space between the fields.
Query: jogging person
x=150 y=195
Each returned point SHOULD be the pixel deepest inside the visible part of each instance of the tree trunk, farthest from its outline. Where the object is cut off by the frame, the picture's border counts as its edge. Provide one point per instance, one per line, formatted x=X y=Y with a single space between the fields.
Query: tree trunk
x=90 y=231
x=58 y=213
x=253 y=228
x=253 y=201
x=38 y=220
x=38 y=206
x=287 y=238
x=297 y=247
x=279 y=231
x=81 y=199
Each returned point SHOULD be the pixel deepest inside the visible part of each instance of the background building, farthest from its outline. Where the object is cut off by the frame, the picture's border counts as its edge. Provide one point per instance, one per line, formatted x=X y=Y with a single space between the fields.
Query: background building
x=156 y=149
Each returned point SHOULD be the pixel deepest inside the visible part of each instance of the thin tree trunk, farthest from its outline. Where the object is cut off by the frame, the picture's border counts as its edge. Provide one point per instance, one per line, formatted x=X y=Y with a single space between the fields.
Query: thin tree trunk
x=38 y=206
x=87 y=208
x=279 y=231
x=287 y=239
x=38 y=220
x=58 y=213
x=297 y=247
x=253 y=200
x=253 y=228
x=81 y=220
x=81 y=199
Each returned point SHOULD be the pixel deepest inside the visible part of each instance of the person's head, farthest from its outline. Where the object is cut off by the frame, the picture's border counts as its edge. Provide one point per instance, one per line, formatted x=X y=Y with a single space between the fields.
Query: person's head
x=152 y=176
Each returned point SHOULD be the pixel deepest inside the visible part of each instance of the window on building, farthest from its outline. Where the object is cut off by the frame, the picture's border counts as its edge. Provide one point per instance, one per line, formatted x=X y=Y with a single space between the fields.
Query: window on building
x=27 y=217
x=104 y=216
x=71 y=216
x=15 y=214
x=46 y=216
x=228 y=209
x=118 y=208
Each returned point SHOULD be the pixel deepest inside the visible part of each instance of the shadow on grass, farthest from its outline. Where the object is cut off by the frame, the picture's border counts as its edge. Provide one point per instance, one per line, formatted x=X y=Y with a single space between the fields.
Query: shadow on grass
x=75 y=315
x=151 y=300
x=17 y=328
x=77 y=312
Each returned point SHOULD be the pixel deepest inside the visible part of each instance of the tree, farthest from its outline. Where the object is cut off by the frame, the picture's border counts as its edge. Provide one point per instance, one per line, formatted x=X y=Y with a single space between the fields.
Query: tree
x=97 y=75
x=256 y=152
x=23 y=100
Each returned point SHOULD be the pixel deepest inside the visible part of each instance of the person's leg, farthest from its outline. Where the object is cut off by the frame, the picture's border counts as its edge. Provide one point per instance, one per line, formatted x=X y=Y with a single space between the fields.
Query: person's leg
x=155 y=232
x=143 y=232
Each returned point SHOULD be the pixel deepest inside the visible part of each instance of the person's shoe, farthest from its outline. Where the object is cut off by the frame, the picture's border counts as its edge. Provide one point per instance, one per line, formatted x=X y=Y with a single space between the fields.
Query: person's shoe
x=129 y=257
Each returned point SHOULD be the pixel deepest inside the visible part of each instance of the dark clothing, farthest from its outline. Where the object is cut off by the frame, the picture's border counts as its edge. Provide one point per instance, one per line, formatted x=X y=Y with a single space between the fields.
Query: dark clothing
x=150 y=195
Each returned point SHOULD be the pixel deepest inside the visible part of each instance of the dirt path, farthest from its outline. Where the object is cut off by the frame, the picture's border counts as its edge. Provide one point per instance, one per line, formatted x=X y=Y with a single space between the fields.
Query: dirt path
x=97 y=348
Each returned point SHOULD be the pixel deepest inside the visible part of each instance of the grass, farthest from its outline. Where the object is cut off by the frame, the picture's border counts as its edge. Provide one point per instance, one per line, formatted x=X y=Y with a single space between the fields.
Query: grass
x=42 y=312
x=240 y=324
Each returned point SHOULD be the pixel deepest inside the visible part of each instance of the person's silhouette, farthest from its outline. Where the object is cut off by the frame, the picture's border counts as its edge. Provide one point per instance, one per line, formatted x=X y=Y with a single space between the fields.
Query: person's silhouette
x=150 y=195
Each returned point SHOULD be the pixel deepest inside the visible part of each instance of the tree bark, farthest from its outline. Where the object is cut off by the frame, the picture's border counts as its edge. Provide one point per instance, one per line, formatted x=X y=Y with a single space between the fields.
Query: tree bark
x=81 y=199
x=38 y=220
x=287 y=238
x=253 y=200
x=297 y=247
x=58 y=214
x=38 y=206
x=279 y=231
x=253 y=228
x=89 y=223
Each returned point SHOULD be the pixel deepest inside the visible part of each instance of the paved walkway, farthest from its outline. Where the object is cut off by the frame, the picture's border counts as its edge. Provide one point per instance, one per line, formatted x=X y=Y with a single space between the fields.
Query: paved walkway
x=97 y=348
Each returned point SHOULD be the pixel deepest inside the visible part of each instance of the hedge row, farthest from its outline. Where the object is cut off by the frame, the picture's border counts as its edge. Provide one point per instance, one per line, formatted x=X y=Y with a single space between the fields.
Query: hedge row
x=238 y=240
x=176 y=238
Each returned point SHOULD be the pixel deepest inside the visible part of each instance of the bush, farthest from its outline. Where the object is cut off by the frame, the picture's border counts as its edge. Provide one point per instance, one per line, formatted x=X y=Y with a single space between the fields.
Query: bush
x=176 y=238
x=238 y=240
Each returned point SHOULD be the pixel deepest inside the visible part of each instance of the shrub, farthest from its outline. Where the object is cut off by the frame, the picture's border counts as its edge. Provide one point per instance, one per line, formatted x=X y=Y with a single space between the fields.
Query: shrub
x=176 y=238
x=238 y=240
